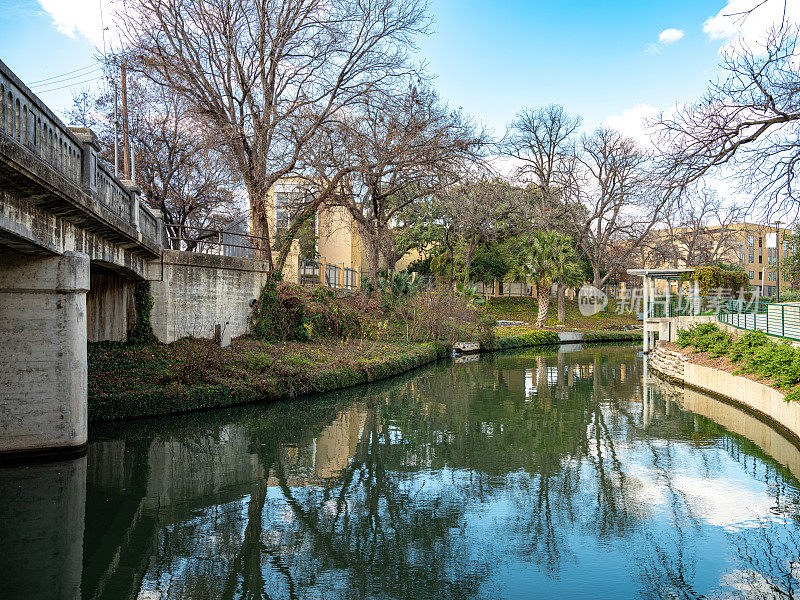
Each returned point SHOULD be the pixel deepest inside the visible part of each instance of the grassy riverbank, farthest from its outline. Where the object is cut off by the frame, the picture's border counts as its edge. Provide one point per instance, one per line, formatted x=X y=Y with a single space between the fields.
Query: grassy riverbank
x=524 y=309
x=131 y=381
x=346 y=341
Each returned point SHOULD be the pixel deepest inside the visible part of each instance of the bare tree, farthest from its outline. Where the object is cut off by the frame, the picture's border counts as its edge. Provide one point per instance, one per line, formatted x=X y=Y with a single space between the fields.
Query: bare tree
x=613 y=203
x=396 y=151
x=699 y=231
x=264 y=76
x=177 y=170
x=543 y=141
x=749 y=121
x=472 y=213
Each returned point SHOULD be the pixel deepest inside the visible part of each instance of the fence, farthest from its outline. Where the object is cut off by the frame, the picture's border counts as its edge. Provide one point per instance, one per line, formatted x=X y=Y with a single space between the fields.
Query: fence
x=781 y=320
x=336 y=276
x=214 y=241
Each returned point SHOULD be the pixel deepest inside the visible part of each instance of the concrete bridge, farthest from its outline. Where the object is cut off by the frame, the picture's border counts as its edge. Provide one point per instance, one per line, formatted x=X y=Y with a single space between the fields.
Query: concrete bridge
x=74 y=239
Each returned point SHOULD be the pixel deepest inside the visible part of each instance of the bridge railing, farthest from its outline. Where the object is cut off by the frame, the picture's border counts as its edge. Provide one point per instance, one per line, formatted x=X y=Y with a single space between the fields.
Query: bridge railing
x=72 y=152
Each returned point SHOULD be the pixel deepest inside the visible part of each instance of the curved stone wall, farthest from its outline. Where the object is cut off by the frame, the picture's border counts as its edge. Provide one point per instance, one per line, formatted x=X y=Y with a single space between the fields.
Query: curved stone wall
x=751 y=394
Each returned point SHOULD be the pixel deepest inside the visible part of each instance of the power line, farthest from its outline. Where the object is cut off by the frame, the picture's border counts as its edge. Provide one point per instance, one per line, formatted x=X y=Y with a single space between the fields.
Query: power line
x=65 y=79
x=62 y=75
x=95 y=78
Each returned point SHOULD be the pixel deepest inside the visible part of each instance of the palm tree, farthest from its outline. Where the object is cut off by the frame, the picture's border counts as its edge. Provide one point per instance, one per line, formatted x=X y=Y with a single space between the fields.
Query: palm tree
x=547 y=257
x=567 y=271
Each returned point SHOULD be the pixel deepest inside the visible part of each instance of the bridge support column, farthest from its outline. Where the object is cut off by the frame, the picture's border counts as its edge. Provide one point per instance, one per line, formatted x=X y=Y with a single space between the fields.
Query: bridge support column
x=43 y=366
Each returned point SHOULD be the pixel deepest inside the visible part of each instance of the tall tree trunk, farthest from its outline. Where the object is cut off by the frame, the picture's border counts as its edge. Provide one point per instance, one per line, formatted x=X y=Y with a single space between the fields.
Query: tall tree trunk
x=596 y=275
x=373 y=256
x=561 y=309
x=261 y=226
x=468 y=261
x=543 y=299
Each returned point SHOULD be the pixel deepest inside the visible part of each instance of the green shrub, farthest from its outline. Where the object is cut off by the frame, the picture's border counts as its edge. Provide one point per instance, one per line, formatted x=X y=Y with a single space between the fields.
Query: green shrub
x=278 y=316
x=790 y=295
x=611 y=336
x=289 y=312
x=746 y=344
x=705 y=337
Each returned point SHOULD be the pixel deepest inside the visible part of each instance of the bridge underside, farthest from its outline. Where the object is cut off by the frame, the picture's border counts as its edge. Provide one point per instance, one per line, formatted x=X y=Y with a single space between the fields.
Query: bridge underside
x=31 y=229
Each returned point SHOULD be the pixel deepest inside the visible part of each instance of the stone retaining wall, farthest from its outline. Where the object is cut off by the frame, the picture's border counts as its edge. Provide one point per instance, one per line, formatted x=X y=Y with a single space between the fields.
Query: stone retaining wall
x=667 y=362
x=751 y=394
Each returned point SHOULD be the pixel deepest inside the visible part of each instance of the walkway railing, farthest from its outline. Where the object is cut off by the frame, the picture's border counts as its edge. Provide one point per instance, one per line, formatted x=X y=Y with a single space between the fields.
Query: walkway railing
x=782 y=320
x=214 y=241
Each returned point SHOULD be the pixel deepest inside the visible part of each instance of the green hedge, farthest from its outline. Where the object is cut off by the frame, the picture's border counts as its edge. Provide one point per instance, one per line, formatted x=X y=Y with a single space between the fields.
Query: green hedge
x=754 y=351
x=612 y=336
x=528 y=338
x=174 y=399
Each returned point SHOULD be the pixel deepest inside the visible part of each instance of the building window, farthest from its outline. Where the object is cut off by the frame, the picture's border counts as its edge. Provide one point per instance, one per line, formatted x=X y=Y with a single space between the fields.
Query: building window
x=785 y=248
x=751 y=274
x=750 y=248
x=759 y=275
x=741 y=254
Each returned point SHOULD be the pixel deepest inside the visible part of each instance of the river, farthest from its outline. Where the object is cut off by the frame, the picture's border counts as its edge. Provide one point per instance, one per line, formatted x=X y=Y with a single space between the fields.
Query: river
x=531 y=474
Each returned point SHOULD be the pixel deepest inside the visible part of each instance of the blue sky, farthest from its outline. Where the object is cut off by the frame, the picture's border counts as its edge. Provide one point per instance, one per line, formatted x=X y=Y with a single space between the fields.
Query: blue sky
x=600 y=59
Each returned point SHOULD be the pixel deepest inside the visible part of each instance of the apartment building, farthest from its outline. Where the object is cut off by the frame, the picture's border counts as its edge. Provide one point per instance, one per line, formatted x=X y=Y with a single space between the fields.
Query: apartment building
x=750 y=245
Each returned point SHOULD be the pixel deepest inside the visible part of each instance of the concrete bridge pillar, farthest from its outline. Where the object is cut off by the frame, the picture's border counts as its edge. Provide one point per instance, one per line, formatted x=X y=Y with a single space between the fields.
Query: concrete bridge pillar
x=43 y=366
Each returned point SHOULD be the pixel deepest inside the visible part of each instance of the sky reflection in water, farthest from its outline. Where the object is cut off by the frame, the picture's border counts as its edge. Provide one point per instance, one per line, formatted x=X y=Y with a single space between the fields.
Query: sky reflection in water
x=522 y=475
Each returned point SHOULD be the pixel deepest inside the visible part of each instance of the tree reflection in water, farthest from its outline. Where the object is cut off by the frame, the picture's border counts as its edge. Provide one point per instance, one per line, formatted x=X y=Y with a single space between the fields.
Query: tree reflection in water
x=516 y=474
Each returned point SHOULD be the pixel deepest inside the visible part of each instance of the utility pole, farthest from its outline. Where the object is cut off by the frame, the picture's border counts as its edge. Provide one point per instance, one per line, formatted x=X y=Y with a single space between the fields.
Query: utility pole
x=116 y=131
x=777 y=261
x=126 y=148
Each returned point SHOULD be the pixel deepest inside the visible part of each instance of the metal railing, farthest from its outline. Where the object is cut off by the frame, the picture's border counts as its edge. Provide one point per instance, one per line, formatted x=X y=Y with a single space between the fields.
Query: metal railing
x=781 y=320
x=214 y=241
x=677 y=306
x=337 y=276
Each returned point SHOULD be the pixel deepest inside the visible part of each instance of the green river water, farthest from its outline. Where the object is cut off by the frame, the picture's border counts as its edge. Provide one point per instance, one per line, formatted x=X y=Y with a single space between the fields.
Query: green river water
x=532 y=474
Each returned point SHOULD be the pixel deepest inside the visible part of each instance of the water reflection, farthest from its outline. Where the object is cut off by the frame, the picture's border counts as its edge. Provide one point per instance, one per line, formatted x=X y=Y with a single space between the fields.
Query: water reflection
x=569 y=474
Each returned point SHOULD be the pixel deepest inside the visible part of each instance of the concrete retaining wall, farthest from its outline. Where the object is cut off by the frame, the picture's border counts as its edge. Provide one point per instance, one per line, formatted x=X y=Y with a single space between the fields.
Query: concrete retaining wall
x=192 y=292
x=110 y=311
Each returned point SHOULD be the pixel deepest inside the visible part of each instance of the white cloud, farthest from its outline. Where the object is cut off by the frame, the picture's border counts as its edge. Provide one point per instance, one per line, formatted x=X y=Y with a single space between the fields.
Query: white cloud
x=670 y=36
x=634 y=123
x=82 y=17
x=733 y=23
x=666 y=37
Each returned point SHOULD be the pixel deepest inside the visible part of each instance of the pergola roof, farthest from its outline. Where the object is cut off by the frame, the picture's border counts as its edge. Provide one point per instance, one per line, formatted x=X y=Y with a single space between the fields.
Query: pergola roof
x=668 y=274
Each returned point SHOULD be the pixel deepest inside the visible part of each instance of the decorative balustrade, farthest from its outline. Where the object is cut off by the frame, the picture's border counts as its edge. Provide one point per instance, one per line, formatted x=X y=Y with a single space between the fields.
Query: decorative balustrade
x=26 y=120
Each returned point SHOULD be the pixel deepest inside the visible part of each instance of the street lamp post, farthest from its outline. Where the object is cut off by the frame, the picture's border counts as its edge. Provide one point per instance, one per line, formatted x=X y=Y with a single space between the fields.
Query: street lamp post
x=777 y=261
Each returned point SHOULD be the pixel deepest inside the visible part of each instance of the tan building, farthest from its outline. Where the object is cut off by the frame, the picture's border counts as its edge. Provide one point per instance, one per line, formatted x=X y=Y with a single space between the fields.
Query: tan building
x=335 y=235
x=745 y=244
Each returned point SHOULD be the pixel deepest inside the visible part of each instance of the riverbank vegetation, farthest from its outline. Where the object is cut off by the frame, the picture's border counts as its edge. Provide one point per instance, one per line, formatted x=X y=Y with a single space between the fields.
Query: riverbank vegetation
x=752 y=353
x=310 y=339
x=526 y=309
